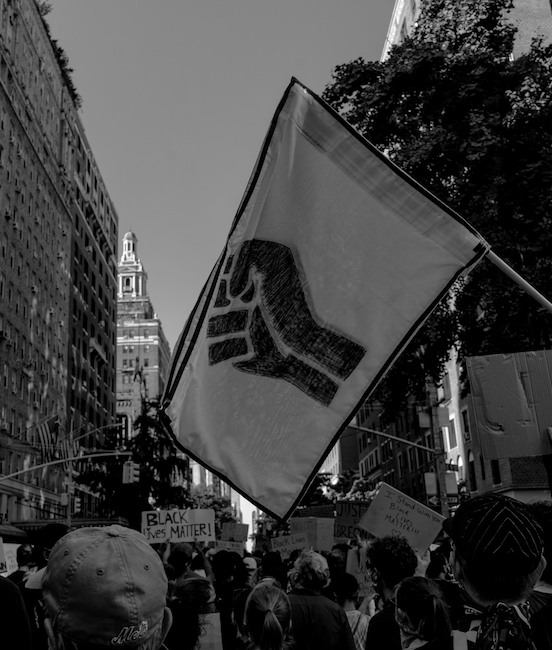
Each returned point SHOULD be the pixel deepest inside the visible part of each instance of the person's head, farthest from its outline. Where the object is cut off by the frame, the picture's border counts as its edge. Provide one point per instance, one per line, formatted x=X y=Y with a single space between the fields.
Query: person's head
x=312 y=571
x=45 y=539
x=390 y=559
x=250 y=564
x=267 y=617
x=345 y=588
x=105 y=587
x=420 y=609
x=542 y=513
x=191 y=600
x=497 y=549
x=180 y=558
x=223 y=566
x=24 y=555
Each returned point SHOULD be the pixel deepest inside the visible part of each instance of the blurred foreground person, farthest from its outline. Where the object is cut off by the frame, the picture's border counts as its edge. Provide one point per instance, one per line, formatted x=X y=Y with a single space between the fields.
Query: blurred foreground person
x=318 y=622
x=540 y=601
x=25 y=564
x=267 y=618
x=345 y=587
x=105 y=588
x=497 y=559
x=390 y=560
x=16 y=631
x=422 y=615
x=191 y=601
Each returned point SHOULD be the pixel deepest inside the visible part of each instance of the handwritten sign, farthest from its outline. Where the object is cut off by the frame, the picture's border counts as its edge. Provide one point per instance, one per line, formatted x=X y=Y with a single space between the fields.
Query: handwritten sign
x=348 y=516
x=234 y=532
x=229 y=546
x=356 y=566
x=289 y=543
x=3 y=563
x=178 y=525
x=394 y=513
x=319 y=529
x=11 y=559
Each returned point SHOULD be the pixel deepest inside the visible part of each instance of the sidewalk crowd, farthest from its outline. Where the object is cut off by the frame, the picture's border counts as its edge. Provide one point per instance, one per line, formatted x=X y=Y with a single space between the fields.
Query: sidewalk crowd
x=485 y=585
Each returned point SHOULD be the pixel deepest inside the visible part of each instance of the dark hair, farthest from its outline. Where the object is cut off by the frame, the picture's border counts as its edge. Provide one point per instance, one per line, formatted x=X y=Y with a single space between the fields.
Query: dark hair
x=268 y=617
x=179 y=560
x=423 y=603
x=394 y=559
x=223 y=566
x=345 y=587
x=505 y=584
x=272 y=566
x=24 y=554
x=187 y=604
x=240 y=572
x=542 y=513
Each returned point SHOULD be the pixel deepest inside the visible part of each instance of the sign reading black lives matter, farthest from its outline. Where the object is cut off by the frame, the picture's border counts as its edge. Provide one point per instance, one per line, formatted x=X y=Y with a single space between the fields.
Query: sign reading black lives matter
x=178 y=525
x=394 y=513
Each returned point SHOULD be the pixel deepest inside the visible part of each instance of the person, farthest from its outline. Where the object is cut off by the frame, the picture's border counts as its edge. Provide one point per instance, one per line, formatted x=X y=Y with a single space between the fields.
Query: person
x=540 y=600
x=16 y=630
x=317 y=622
x=25 y=564
x=422 y=614
x=250 y=564
x=190 y=602
x=267 y=618
x=497 y=559
x=180 y=559
x=104 y=588
x=225 y=584
x=345 y=588
x=390 y=559
x=31 y=588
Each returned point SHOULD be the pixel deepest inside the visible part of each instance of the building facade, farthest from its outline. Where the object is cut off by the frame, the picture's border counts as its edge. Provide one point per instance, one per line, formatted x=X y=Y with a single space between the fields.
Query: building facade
x=143 y=353
x=58 y=234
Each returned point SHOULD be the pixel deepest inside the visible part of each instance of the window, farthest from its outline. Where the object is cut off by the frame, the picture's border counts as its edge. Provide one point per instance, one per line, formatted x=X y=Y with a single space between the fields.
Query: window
x=452 y=435
x=466 y=424
x=495 y=471
x=146 y=363
x=471 y=472
x=482 y=466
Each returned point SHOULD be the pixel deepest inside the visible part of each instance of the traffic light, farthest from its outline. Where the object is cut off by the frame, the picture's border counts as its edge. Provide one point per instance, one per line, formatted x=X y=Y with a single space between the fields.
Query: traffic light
x=131 y=472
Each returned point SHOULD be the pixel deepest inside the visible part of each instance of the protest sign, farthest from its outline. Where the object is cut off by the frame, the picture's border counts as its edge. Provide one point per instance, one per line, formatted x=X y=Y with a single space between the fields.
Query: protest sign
x=348 y=516
x=319 y=529
x=3 y=563
x=394 y=513
x=288 y=543
x=232 y=531
x=356 y=566
x=11 y=559
x=178 y=525
x=229 y=546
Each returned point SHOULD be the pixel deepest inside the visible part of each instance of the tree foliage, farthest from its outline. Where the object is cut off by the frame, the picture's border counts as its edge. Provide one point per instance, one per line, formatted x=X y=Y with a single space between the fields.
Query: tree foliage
x=454 y=109
x=222 y=505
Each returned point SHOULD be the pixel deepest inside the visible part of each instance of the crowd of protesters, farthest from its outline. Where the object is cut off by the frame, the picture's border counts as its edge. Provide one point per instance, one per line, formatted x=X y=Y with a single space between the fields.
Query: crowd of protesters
x=486 y=584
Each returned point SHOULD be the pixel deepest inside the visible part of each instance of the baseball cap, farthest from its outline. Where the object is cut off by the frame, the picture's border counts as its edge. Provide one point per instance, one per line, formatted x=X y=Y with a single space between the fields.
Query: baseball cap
x=105 y=587
x=494 y=530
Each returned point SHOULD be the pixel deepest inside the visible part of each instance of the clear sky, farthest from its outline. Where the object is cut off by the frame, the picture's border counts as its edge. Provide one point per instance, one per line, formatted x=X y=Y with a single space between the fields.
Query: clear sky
x=177 y=97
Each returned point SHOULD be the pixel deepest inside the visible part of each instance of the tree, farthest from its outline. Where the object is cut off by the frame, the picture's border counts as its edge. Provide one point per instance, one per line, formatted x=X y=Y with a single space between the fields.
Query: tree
x=163 y=471
x=453 y=109
x=224 y=512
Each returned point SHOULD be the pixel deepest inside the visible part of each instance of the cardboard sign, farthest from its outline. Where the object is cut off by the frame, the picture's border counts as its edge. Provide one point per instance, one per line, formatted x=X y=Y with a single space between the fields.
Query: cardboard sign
x=229 y=546
x=178 y=525
x=348 y=516
x=234 y=532
x=288 y=543
x=356 y=566
x=3 y=563
x=394 y=513
x=11 y=560
x=319 y=529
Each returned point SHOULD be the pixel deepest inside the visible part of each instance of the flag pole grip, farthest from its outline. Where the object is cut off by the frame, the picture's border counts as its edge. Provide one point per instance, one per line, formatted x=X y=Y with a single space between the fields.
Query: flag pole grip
x=519 y=280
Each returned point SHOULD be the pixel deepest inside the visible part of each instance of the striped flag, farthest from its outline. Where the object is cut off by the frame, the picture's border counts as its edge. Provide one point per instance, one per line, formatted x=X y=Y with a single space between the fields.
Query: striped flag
x=47 y=437
x=335 y=259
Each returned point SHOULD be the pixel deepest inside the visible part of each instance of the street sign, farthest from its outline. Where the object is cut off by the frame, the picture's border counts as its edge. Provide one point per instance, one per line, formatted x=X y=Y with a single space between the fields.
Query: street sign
x=433 y=501
x=453 y=499
x=451 y=467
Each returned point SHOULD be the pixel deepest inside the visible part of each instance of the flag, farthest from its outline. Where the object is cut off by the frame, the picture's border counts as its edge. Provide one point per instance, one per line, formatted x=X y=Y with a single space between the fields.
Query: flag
x=47 y=437
x=333 y=262
x=69 y=450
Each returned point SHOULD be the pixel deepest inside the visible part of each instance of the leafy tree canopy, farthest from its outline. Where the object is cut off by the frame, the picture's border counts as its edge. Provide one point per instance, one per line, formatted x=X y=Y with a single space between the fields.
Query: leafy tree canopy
x=454 y=109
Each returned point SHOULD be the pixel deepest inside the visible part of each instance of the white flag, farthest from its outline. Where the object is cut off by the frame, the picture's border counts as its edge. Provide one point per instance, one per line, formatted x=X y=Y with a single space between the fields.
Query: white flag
x=334 y=260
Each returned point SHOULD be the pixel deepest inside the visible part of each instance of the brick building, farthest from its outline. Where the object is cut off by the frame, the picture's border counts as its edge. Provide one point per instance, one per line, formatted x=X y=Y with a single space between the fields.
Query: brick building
x=58 y=233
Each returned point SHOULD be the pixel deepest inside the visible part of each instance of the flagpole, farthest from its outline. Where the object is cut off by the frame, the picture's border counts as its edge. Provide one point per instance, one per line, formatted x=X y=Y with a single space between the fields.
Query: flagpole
x=501 y=264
